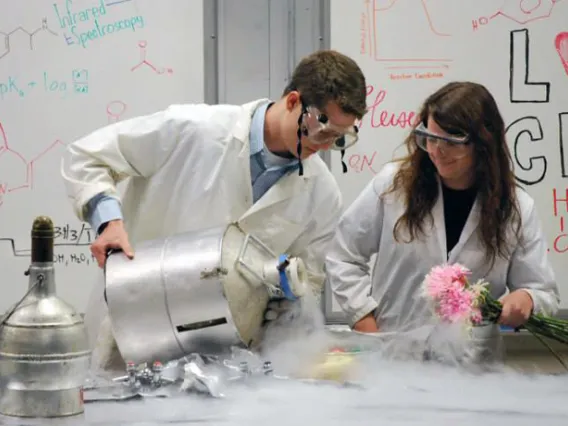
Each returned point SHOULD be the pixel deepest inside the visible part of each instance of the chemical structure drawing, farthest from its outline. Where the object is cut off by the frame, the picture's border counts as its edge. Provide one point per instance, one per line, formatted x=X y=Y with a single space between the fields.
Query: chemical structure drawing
x=561 y=45
x=431 y=15
x=70 y=245
x=521 y=12
x=17 y=172
x=115 y=110
x=143 y=61
x=31 y=34
x=371 y=38
x=65 y=236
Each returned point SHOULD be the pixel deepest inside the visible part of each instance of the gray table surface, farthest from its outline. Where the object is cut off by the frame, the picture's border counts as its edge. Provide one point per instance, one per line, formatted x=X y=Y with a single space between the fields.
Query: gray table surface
x=392 y=394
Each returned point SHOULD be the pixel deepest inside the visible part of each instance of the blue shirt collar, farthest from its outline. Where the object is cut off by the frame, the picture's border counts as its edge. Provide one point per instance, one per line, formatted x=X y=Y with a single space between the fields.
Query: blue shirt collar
x=257 y=129
x=257 y=140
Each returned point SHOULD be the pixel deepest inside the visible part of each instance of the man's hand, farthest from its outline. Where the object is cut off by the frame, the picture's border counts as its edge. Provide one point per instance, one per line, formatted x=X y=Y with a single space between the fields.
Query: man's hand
x=276 y=308
x=517 y=308
x=113 y=237
x=367 y=324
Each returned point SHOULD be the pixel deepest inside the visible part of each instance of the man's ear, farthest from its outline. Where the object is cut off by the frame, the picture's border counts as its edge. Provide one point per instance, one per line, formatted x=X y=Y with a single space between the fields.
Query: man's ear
x=292 y=100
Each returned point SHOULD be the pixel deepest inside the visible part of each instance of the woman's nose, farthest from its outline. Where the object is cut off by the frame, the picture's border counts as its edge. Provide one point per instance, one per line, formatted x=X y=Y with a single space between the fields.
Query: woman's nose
x=434 y=148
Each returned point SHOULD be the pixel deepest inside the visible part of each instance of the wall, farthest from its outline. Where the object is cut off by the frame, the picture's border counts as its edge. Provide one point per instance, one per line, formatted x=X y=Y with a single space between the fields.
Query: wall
x=55 y=88
x=66 y=69
x=257 y=45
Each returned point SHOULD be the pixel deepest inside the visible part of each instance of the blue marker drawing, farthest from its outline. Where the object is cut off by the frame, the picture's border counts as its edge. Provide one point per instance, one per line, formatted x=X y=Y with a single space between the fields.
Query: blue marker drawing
x=15 y=86
x=112 y=3
x=86 y=25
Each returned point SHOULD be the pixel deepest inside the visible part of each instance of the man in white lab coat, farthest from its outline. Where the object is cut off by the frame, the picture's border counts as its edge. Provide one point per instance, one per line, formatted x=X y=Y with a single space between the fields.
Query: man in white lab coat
x=198 y=166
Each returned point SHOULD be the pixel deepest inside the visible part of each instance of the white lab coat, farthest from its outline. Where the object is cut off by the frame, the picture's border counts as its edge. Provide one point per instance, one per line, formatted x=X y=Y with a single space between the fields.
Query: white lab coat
x=393 y=291
x=189 y=169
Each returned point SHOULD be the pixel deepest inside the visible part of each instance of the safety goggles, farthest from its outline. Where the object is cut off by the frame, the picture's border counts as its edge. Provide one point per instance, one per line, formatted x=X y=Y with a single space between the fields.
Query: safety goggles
x=315 y=125
x=454 y=146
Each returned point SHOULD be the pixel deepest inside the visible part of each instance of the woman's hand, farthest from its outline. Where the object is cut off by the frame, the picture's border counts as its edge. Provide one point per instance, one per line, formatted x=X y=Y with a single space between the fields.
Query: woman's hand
x=517 y=308
x=367 y=324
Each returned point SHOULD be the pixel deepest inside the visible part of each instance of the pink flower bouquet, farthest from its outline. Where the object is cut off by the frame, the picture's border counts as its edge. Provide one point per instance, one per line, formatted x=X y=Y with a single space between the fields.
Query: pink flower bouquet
x=456 y=300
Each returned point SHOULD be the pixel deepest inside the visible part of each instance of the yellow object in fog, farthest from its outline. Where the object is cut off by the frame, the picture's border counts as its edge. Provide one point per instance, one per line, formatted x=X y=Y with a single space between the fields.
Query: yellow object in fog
x=336 y=366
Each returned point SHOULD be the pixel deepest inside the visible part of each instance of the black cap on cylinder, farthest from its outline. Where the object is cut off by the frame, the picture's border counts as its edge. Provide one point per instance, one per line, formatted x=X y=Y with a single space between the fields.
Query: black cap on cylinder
x=43 y=234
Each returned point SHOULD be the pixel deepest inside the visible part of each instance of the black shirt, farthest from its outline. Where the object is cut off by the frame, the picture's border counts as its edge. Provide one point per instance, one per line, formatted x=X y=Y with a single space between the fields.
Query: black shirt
x=457 y=205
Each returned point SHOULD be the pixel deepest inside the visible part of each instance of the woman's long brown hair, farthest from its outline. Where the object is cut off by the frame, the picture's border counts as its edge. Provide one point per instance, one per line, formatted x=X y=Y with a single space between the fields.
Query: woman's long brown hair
x=463 y=108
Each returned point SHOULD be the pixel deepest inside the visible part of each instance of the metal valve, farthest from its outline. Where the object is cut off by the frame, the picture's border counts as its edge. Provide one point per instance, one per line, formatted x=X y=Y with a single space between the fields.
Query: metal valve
x=143 y=376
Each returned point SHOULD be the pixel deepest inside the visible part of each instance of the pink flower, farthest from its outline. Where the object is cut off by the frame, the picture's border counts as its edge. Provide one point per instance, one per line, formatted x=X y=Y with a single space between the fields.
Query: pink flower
x=441 y=277
x=476 y=316
x=455 y=300
x=456 y=303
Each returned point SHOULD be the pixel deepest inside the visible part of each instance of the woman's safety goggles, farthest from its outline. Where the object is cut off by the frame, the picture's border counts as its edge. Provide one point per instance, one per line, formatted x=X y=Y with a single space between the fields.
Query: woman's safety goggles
x=316 y=126
x=454 y=146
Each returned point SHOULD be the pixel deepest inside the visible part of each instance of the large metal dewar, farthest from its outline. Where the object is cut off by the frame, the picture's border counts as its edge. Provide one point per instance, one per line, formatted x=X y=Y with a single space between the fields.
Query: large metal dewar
x=199 y=291
x=44 y=352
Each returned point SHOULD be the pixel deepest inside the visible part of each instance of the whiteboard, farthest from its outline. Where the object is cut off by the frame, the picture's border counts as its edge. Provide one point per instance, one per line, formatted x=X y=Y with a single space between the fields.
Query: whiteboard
x=68 y=67
x=517 y=48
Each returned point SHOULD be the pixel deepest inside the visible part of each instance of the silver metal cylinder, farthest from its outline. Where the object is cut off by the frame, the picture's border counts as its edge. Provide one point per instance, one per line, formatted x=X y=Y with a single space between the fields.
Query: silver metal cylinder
x=168 y=300
x=44 y=353
x=201 y=291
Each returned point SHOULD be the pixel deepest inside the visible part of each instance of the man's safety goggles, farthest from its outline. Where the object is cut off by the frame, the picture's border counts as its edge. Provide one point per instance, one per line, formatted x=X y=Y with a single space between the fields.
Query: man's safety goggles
x=450 y=145
x=315 y=125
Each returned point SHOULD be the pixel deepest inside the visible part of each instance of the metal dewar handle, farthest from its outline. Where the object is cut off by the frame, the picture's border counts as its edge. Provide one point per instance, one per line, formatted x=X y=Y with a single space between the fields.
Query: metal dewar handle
x=282 y=276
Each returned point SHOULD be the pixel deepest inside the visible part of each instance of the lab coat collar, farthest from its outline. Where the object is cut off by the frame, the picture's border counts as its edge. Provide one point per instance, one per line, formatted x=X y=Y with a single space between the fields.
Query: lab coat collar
x=288 y=186
x=241 y=129
x=440 y=226
x=241 y=132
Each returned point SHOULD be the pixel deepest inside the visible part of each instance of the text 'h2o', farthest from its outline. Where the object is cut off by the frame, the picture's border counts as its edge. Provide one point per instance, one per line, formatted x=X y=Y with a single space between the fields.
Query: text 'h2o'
x=88 y=24
x=82 y=258
x=16 y=86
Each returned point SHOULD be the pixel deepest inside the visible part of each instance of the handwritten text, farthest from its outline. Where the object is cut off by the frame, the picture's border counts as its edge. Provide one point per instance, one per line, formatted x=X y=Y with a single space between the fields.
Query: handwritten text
x=381 y=117
x=362 y=163
x=16 y=86
x=92 y=17
x=363 y=33
x=73 y=259
x=560 y=209
x=78 y=236
x=416 y=75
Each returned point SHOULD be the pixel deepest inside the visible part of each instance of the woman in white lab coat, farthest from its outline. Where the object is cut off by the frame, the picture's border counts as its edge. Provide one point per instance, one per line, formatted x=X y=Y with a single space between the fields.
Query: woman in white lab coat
x=452 y=199
x=197 y=166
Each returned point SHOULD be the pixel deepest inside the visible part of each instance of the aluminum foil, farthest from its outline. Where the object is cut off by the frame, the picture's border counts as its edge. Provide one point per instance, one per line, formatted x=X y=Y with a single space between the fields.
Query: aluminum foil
x=195 y=373
x=214 y=376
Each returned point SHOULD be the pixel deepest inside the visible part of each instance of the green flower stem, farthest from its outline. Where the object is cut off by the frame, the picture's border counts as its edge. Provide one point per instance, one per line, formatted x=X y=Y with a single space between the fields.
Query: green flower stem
x=537 y=324
x=554 y=353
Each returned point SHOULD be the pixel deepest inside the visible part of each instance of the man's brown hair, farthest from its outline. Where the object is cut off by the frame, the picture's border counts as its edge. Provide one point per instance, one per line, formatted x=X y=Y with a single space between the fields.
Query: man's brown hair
x=329 y=76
